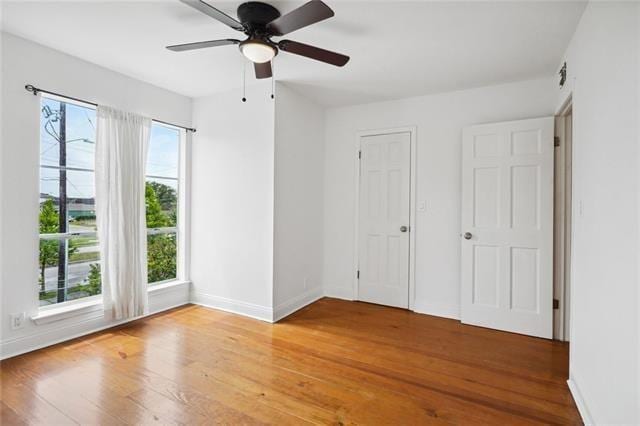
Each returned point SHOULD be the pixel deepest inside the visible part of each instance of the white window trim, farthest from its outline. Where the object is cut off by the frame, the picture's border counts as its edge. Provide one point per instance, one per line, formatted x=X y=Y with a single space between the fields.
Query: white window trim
x=92 y=305
x=64 y=310
x=77 y=306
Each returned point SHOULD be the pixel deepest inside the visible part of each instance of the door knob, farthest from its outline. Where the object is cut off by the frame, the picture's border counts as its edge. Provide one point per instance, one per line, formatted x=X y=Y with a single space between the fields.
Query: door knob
x=403 y=229
x=467 y=235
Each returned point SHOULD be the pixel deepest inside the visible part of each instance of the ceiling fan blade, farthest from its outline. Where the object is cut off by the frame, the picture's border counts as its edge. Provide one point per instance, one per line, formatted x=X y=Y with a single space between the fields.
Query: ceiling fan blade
x=313 y=52
x=207 y=9
x=263 y=70
x=202 y=44
x=307 y=14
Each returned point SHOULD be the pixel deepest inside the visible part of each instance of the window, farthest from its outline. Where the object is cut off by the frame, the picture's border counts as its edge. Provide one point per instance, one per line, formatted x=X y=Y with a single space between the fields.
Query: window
x=161 y=196
x=68 y=262
x=69 y=257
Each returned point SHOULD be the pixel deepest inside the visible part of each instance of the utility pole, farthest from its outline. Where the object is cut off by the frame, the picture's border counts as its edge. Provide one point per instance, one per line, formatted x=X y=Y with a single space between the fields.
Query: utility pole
x=62 y=205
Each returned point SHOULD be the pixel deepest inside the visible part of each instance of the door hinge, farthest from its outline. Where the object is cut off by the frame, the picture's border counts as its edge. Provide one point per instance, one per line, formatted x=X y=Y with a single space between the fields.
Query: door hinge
x=556 y=304
x=359 y=155
x=357 y=274
x=556 y=141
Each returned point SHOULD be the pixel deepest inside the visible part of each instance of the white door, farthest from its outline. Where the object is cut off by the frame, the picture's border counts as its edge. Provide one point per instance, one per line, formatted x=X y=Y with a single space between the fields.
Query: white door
x=507 y=226
x=384 y=219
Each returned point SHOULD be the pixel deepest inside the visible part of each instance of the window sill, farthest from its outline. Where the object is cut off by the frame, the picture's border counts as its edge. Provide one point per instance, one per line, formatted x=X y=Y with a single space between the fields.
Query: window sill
x=49 y=315
x=166 y=286
x=46 y=316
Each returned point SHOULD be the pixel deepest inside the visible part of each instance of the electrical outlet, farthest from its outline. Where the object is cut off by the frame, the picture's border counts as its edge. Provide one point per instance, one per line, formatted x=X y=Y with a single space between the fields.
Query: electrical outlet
x=17 y=320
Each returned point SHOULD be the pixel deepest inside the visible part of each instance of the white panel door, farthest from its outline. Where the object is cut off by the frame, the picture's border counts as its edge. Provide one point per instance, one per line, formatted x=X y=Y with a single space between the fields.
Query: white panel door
x=384 y=219
x=507 y=226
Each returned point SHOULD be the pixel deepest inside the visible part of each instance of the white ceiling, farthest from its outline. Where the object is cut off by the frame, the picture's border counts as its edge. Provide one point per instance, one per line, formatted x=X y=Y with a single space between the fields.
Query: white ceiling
x=397 y=49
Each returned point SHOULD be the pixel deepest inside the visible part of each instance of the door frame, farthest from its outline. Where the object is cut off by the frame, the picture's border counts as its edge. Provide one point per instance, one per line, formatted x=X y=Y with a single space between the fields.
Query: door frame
x=563 y=251
x=412 y=130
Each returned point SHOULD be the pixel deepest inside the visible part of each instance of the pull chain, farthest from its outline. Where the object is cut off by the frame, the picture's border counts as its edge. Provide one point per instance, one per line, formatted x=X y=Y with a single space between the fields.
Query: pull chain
x=244 y=80
x=273 y=84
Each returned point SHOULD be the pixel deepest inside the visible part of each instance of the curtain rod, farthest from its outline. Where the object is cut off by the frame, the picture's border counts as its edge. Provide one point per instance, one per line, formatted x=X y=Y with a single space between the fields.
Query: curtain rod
x=35 y=90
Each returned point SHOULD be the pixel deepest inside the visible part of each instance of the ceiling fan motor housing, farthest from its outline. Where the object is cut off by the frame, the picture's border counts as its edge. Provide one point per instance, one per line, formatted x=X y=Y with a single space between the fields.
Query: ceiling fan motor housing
x=255 y=15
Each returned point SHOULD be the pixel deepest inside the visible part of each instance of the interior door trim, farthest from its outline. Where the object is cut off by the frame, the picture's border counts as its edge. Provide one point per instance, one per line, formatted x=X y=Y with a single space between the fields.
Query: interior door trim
x=412 y=130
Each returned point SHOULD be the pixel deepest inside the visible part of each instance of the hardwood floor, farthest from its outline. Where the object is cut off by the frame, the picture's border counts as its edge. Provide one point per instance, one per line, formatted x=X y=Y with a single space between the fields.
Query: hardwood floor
x=334 y=362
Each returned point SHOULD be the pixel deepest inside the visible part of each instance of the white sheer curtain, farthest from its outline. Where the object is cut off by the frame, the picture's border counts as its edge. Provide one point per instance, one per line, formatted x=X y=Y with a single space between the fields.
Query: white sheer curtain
x=121 y=153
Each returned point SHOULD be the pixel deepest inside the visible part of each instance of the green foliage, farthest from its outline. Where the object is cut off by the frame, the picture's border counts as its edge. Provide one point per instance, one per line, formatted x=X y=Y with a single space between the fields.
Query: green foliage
x=48 y=248
x=48 y=295
x=94 y=282
x=166 y=195
x=49 y=219
x=155 y=216
x=161 y=257
x=94 y=275
x=160 y=201
x=49 y=222
x=91 y=287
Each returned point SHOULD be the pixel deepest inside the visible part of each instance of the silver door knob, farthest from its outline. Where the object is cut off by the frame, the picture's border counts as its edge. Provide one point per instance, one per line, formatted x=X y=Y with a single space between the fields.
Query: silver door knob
x=467 y=235
x=403 y=229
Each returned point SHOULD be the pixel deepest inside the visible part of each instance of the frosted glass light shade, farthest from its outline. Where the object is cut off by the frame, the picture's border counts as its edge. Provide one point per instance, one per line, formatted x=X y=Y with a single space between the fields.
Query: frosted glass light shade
x=257 y=51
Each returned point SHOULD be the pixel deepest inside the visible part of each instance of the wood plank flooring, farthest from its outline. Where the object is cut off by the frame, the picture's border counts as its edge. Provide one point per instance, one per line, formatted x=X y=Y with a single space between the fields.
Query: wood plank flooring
x=333 y=362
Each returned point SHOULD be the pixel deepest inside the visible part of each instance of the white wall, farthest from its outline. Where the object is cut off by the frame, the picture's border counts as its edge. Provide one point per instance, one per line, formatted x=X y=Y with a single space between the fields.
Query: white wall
x=232 y=177
x=299 y=164
x=439 y=120
x=24 y=62
x=602 y=63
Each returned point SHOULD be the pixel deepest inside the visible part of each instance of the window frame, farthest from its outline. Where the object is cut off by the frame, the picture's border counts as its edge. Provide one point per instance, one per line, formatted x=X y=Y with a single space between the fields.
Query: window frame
x=64 y=236
x=179 y=205
x=178 y=229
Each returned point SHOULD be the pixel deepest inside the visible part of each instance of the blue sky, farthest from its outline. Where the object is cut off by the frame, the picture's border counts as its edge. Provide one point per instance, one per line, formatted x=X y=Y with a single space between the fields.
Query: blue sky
x=162 y=158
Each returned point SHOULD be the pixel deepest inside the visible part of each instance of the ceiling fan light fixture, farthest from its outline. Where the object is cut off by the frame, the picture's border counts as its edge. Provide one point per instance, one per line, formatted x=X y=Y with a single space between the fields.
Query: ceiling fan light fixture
x=257 y=51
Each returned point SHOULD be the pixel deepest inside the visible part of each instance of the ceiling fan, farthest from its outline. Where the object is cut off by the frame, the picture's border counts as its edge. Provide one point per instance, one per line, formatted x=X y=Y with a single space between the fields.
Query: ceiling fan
x=260 y=22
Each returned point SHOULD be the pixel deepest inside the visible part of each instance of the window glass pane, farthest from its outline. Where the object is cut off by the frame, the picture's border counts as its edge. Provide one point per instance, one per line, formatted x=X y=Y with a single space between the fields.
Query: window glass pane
x=49 y=207
x=81 y=276
x=68 y=268
x=81 y=214
x=161 y=196
x=48 y=272
x=81 y=201
x=164 y=146
x=161 y=257
x=79 y=129
x=80 y=137
x=50 y=132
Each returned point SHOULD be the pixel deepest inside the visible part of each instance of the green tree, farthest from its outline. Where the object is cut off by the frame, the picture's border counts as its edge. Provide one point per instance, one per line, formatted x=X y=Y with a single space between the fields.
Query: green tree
x=49 y=222
x=155 y=217
x=95 y=280
x=161 y=257
x=49 y=249
x=166 y=195
x=161 y=249
x=92 y=285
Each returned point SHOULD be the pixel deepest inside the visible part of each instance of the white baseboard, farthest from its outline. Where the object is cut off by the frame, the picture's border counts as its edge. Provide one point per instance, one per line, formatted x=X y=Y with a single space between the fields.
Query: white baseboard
x=580 y=402
x=338 y=292
x=162 y=299
x=67 y=329
x=290 y=306
x=259 y=312
x=437 y=309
